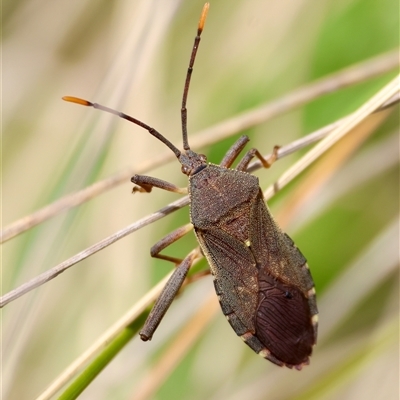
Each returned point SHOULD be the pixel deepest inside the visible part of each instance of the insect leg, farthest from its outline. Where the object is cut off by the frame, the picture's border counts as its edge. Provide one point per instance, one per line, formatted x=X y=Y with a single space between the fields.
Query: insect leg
x=242 y=166
x=167 y=296
x=167 y=240
x=234 y=151
x=146 y=183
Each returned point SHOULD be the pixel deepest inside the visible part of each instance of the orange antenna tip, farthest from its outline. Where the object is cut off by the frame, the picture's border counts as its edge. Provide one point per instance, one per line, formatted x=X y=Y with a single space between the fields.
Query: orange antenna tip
x=77 y=100
x=203 y=17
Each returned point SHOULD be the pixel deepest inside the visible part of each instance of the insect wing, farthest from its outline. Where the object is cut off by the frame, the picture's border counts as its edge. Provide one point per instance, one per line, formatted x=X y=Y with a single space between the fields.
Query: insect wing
x=264 y=287
x=235 y=276
x=286 y=312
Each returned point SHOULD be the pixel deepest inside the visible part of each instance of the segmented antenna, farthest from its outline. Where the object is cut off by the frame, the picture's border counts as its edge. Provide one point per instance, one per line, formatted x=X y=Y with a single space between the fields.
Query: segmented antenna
x=151 y=130
x=189 y=75
x=148 y=128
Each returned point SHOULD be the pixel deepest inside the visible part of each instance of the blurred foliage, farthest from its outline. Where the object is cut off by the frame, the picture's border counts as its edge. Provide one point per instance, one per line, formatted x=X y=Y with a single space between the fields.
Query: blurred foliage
x=133 y=56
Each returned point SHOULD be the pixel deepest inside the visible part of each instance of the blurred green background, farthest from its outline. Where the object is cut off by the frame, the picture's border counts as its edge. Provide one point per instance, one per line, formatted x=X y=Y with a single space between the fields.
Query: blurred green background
x=133 y=55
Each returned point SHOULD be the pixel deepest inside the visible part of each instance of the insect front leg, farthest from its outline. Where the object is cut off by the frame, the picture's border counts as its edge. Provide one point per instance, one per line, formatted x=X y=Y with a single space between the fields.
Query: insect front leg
x=266 y=163
x=168 y=240
x=234 y=151
x=167 y=295
x=146 y=183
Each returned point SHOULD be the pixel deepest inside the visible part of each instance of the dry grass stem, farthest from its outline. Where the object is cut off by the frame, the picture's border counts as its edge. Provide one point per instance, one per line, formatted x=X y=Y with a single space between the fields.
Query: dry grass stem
x=58 y=269
x=322 y=170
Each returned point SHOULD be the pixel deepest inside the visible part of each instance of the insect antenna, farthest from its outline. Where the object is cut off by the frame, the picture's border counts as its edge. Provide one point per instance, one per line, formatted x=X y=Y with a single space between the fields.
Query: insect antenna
x=151 y=130
x=120 y=114
x=189 y=75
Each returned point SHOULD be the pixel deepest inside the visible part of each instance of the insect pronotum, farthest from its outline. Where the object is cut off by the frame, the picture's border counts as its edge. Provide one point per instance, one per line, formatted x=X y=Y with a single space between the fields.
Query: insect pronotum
x=261 y=278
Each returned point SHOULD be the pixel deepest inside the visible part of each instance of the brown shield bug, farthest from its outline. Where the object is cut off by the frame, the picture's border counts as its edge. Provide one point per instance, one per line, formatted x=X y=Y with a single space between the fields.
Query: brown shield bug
x=261 y=278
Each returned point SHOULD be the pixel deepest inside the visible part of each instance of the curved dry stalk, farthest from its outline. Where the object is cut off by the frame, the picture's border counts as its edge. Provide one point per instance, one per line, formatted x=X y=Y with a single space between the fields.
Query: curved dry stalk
x=321 y=171
x=338 y=132
x=348 y=124
x=344 y=78
x=138 y=308
x=319 y=134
